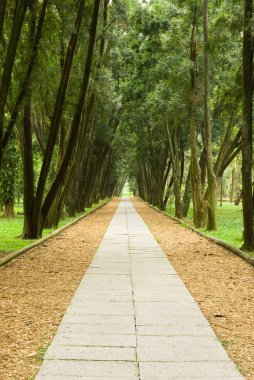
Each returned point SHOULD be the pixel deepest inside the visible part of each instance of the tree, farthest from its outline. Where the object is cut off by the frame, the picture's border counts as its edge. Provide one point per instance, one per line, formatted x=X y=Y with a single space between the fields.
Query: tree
x=247 y=127
x=20 y=11
x=211 y=178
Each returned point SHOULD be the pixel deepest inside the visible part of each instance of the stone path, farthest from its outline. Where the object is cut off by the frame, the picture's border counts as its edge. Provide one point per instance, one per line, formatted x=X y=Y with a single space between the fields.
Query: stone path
x=133 y=318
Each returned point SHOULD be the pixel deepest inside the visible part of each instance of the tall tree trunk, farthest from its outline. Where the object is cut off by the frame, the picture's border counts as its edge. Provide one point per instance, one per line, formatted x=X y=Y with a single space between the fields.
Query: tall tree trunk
x=30 y=230
x=8 y=64
x=221 y=190
x=233 y=183
x=2 y=16
x=70 y=150
x=187 y=195
x=26 y=81
x=248 y=244
x=199 y=207
x=211 y=178
x=174 y=154
x=57 y=114
x=9 y=209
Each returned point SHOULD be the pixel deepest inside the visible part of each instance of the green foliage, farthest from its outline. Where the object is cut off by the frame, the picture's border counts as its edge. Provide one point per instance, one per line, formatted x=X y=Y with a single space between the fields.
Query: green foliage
x=40 y=353
x=9 y=171
x=140 y=83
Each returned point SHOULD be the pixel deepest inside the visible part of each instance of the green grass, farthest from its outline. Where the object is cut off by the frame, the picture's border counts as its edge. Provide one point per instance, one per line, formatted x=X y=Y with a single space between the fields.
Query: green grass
x=229 y=223
x=11 y=230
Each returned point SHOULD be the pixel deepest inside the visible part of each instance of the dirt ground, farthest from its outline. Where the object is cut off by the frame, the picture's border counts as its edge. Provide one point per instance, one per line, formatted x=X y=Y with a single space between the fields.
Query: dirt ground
x=221 y=283
x=36 y=289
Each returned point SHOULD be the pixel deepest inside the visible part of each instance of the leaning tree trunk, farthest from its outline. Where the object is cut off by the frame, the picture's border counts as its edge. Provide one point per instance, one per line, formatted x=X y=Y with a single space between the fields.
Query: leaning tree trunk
x=25 y=84
x=211 y=178
x=248 y=244
x=74 y=132
x=56 y=121
x=187 y=195
x=9 y=63
x=2 y=16
x=174 y=154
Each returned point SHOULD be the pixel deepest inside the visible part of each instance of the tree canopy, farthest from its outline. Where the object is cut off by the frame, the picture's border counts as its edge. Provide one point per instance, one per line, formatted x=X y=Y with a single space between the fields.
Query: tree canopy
x=96 y=93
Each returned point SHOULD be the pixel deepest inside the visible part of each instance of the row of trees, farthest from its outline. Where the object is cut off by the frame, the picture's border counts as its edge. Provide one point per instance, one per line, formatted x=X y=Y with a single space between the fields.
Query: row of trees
x=95 y=91
x=188 y=87
x=55 y=76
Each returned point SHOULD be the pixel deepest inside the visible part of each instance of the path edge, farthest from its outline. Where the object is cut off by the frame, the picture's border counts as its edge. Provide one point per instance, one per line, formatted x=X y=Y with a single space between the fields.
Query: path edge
x=9 y=257
x=249 y=259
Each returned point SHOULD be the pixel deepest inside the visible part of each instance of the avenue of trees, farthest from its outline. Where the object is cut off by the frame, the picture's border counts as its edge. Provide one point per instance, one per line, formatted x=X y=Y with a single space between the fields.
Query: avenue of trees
x=95 y=92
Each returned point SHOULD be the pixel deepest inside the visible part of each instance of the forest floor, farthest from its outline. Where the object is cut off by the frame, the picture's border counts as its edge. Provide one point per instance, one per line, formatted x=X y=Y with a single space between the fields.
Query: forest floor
x=220 y=282
x=36 y=289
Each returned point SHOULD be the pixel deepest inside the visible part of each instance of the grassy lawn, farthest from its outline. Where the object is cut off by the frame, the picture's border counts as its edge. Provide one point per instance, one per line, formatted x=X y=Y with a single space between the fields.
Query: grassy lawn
x=11 y=230
x=229 y=223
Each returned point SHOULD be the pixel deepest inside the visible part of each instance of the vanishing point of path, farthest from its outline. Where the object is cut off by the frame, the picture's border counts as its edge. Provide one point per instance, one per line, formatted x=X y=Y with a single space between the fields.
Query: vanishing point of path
x=133 y=318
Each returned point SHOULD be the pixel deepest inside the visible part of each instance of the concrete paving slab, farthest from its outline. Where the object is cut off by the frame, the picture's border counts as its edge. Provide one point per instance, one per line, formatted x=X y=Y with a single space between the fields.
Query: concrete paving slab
x=133 y=318
x=141 y=260
x=104 y=297
x=153 y=268
x=156 y=283
x=83 y=294
x=188 y=371
x=176 y=330
x=88 y=369
x=102 y=328
x=175 y=319
x=100 y=308
x=175 y=294
x=112 y=258
x=166 y=349
x=104 y=281
x=102 y=263
x=98 y=340
x=107 y=270
x=98 y=319
x=59 y=352
x=114 y=250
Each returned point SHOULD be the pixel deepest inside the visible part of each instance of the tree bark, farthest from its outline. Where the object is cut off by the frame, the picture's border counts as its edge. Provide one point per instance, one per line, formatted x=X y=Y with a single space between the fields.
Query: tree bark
x=233 y=184
x=58 y=181
x=211 y=178
x=57 y=115
x=2 y=16
x=187 y=195
x=30 y=230
x=8 y=64
x=26 y=81
x=9 y=210
x=174 y=154
x=199 y=207
x=248 y=244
